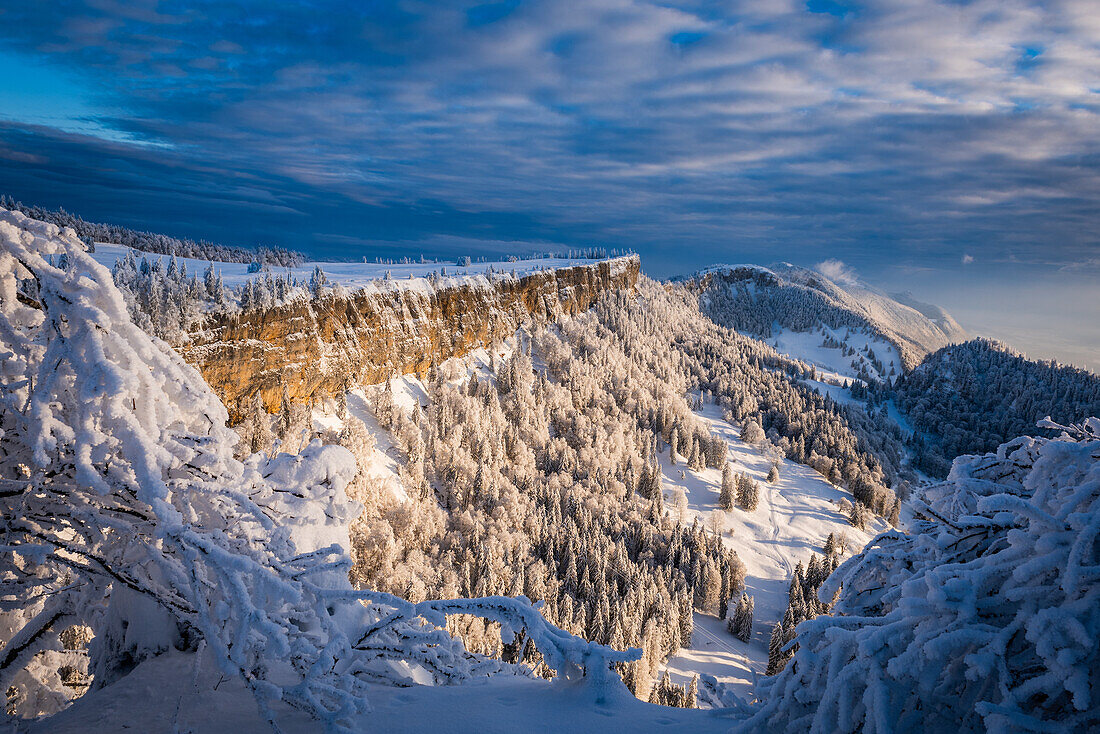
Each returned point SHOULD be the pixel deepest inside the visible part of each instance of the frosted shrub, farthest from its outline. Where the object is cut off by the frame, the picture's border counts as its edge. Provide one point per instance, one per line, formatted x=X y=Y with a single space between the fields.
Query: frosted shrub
x=986 y=617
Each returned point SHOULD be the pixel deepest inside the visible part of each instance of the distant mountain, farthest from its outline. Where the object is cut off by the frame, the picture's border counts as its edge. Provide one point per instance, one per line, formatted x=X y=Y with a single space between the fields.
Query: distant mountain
x=940 y=317
x=805 y=312
x=969 y=398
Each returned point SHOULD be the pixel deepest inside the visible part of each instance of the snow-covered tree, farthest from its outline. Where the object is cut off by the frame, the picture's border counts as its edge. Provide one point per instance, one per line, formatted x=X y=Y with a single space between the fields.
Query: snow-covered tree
x=748 y=493
x=752 y=432
x=988 y=609
x=740 y=624
x=124 y=517
x=727 y=496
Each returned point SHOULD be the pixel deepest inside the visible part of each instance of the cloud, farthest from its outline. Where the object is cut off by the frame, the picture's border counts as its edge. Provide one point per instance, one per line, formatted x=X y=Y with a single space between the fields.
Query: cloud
x=967 y=259
x=836 y=271
x=891 y=132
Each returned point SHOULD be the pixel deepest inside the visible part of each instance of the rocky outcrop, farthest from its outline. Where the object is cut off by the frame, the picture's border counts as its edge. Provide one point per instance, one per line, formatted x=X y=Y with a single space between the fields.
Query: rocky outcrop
x=319 y=347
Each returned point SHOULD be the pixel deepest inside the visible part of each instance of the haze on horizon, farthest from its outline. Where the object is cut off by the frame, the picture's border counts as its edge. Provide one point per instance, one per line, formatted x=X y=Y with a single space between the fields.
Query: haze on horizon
x=948 y=148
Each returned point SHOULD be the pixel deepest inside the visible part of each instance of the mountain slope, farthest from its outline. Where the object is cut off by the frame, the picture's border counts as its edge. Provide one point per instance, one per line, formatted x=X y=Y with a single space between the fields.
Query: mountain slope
x=772 y=302
x=795 y=516
x=948 y=325
x=969 y=398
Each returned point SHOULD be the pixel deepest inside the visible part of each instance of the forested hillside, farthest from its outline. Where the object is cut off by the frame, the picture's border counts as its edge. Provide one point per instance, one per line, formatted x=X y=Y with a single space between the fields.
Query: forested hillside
x=971 y=397
x=92 y=232
x=540 y=476
x=520 y=531
x=765 y=302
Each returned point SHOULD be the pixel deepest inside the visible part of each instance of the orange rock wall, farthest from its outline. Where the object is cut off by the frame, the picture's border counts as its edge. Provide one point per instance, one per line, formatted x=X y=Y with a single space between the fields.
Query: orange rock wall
x=319 y=347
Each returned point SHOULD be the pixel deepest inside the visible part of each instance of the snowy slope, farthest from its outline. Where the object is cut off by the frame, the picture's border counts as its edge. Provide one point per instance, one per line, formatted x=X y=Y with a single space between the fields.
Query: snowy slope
x=811 y=347
x=905 y=321
x=352 y=274
x=794 y=517
x=171 y=695
x=799 y=307
x=937 y=314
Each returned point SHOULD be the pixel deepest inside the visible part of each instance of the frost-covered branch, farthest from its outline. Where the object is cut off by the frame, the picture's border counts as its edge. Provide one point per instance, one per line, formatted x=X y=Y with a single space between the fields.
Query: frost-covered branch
x=124 y=512
x=986 y=617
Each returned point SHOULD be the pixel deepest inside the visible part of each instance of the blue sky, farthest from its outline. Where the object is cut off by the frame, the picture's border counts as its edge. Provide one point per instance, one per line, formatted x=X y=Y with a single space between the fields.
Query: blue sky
x=947 y=147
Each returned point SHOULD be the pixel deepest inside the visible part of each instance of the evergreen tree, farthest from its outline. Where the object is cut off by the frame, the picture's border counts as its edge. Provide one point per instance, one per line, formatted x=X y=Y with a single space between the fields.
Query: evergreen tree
x=740 y=625
x=748 y=494
x=775 y=655
x=727 y=495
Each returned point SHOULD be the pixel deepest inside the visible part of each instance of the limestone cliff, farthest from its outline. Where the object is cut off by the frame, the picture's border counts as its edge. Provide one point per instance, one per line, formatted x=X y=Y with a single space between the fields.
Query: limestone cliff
x=318 y=347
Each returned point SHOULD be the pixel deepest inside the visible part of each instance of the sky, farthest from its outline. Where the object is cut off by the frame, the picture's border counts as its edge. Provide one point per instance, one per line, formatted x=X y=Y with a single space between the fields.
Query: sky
x=949 y=148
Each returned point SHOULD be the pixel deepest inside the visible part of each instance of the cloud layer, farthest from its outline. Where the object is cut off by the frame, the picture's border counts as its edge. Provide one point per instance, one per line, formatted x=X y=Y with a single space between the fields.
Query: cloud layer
x=904 y=129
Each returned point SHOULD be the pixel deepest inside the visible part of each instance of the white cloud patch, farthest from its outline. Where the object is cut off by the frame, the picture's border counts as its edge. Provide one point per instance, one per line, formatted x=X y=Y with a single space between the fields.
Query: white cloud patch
x=967 y=259
x=837 y=271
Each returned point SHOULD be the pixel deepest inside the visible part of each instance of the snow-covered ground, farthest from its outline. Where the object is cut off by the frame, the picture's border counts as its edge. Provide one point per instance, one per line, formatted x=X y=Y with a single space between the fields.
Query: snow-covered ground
x=832 y=362
x=794 y=517
x=354 y=275
x=198 y=700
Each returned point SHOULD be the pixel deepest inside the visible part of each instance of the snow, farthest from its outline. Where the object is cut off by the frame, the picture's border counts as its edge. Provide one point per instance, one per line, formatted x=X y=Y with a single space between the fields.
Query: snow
x=834 y=365
x=384 y=461
x=199 y=700
x=794 y=517
x=356 y=275
x=983 y=618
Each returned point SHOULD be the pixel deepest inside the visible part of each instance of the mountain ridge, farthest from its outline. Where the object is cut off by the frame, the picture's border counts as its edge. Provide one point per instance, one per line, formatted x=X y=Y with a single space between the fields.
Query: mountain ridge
x=755 y=299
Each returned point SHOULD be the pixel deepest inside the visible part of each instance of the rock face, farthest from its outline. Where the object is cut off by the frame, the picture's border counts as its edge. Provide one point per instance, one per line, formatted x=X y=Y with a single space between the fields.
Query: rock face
x=319 y=347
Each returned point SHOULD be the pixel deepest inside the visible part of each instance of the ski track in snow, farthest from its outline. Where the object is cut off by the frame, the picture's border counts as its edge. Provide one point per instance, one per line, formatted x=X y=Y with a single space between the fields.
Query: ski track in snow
x=792 y=520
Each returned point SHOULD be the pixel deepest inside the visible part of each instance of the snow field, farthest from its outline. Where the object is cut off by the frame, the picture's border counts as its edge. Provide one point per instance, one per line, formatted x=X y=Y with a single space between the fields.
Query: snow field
x=356 y=275
x=794 y=517
x=834 y=367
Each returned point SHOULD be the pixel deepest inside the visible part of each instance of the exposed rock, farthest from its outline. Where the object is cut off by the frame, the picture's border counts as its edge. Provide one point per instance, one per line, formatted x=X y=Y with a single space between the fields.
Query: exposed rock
x=319 y=347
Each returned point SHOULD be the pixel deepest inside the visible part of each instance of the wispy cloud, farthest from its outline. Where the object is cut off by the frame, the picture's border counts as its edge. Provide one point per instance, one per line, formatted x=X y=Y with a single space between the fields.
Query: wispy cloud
x=837 y=271
x=901 y=130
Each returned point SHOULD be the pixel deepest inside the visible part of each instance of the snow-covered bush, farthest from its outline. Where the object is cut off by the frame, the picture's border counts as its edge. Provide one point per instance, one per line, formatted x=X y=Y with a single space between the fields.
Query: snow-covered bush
x=124 y=512
x=752 y=432
x=986 y=617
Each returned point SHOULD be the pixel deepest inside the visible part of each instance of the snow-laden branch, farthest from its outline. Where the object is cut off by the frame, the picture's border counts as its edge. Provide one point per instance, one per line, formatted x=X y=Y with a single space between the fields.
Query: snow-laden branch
x=985 y=617
x=123 y=511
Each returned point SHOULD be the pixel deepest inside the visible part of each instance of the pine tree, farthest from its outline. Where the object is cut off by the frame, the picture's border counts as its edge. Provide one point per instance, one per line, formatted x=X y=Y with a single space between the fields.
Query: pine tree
x=748 y=494
x=773 y=474
x=858 y=515
x=740 y=625
x=728 y=493
x=775 y=646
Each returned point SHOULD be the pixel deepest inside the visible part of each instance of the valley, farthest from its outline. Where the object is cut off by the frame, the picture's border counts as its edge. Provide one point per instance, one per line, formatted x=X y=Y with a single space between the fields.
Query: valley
x=466 y=479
